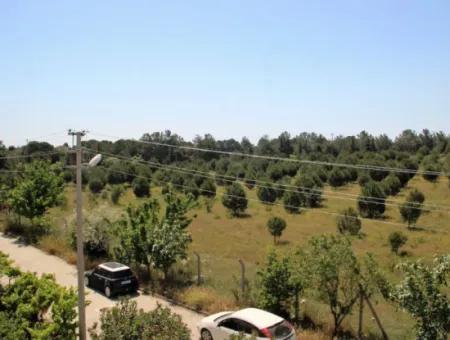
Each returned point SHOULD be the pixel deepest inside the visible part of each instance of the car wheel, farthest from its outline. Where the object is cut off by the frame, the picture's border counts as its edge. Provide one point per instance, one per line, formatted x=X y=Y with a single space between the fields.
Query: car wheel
x=206 y=335
x=108 y=292
x=86 y=281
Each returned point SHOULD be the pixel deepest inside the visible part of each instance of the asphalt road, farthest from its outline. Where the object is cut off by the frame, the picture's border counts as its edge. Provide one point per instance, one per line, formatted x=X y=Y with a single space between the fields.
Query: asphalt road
x=29 y=258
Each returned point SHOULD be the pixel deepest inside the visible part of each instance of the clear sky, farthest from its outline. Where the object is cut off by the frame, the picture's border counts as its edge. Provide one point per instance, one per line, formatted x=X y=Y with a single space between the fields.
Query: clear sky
x=230 y=68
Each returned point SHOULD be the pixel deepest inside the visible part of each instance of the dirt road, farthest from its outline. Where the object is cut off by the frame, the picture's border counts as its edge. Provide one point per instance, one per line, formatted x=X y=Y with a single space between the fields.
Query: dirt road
x=28 y=258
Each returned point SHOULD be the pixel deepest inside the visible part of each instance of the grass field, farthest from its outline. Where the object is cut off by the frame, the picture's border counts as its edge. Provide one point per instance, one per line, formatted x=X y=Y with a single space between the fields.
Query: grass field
x=221 y=240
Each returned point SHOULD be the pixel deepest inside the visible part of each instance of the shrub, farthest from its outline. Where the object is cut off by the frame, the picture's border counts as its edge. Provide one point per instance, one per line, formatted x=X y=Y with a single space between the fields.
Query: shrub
x=397 y=240
x=266 y=194
x=391 y=185
x=349 y=223
x=96 y=185
x=411 y=209
x=235 y=199
x=337 y=178
x=125 y=321
x=116 y=192
x=310 y=189
x=208 y=188
x=141 y=187
x=292 y=201
x=371 y=201
x=276 y=226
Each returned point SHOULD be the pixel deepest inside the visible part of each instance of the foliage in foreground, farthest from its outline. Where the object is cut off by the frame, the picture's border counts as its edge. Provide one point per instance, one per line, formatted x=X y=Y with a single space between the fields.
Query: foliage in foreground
x=422 y=293
x=125 y=322
x=33 y=307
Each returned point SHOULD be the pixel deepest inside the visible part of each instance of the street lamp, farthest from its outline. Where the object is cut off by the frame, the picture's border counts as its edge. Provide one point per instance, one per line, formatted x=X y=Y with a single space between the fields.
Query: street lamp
x=80 y=237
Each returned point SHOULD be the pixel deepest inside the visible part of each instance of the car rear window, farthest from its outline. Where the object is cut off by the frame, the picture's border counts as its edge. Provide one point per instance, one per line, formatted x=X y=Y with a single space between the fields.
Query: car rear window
x=121 y=273
x=281 y=330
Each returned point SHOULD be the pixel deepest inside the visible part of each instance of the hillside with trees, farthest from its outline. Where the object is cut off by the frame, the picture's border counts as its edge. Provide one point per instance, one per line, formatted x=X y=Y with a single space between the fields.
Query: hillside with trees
x=376 y=208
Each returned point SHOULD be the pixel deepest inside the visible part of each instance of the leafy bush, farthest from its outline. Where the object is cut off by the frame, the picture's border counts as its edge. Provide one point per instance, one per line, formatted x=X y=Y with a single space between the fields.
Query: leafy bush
x=96 y=185
x=125 y=321
x=276 y=226
x=391 y=185
x=141 y=187
x=422 y=293
x=26 y=302
x=116 y=192
x=208 y=188
x=97 y=234
x=235 y=199
x=349 y=223
x=292 y=201
x=397 y=240
x=411 y=209
x=266 y=194
x=337 y=178
x=371 y=201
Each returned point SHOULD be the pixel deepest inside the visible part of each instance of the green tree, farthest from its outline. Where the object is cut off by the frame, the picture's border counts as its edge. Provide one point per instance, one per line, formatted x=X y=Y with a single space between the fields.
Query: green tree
x=267 y=194
x=235 y=199
x=147 y=239
x=422 y=293
x=397 y=240
x=292 y=201
x=349 y=222
x=125 y=322
x=276 y=289
x=412 y=208
x=169 y=244
x=134 y=234
x=141 y=187
x=39 y=189
x=371 y=201
x=276 y=226
x=331 y=269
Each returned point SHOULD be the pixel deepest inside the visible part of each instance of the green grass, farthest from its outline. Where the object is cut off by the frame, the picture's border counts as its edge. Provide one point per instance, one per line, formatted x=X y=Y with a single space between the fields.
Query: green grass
x=222 y=240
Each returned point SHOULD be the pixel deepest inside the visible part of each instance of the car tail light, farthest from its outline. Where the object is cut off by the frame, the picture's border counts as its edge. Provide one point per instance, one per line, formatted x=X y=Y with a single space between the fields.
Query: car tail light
x=266 y=333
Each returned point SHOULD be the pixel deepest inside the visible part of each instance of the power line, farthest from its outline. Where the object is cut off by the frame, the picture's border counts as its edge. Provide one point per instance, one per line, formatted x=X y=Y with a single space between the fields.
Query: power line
x=283 y=159
x=298 y=189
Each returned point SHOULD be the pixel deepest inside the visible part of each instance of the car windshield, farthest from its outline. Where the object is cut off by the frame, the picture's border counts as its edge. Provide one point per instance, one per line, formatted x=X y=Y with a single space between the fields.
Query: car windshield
x=121 y=273
x=281 y=330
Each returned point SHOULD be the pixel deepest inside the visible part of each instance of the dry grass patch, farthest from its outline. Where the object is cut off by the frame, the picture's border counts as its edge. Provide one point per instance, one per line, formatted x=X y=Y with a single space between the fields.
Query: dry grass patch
x=206 y=300
x=57 y=246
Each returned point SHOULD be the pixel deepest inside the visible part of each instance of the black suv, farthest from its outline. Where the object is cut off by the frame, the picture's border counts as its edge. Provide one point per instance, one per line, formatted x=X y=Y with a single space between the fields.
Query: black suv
x=111 y=278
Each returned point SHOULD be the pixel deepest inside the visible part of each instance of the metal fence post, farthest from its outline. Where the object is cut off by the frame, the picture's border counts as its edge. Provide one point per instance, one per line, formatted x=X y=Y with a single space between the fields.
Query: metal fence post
x=199 y=275
x=242 y=276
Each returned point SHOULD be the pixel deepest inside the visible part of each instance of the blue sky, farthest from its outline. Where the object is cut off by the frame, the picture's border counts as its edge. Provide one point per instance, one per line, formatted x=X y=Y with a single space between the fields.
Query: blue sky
x=230 y=68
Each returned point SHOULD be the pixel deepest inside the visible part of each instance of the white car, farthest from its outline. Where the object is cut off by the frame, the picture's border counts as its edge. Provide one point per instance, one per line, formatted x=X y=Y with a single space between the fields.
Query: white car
x=250 y=321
